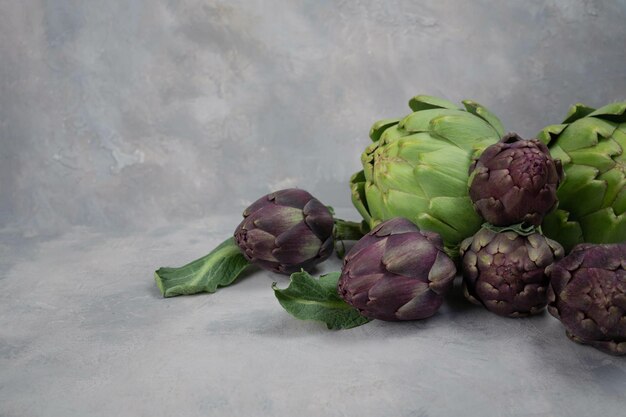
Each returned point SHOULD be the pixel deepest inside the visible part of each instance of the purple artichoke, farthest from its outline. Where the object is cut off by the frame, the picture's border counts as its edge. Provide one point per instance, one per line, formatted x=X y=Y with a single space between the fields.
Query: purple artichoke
x=588 y=294
x=396 y=272
x=286 y=231
x=515 y=181
x=505 y=271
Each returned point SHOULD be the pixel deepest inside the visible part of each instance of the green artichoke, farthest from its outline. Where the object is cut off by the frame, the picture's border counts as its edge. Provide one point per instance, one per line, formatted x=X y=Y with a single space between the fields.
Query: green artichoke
x=417 y=167
x=592 y=198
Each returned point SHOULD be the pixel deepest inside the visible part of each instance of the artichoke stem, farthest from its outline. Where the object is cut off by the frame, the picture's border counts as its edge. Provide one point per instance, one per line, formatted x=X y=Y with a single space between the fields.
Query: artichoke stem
x=219 y=268
x=347 y=230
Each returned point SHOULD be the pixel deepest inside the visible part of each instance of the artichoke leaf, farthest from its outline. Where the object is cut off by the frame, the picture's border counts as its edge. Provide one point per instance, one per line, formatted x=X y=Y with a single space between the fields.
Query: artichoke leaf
x=421 y=121
x=438 y=183
x=450 y=161
x=380 y=126
x=612 y=109
x=577 y=111
x=464 y=130
x=458 y=212
x=585 y=133
x=376 y=201
x=453 y=218
x=577 y=177
x=392 y=134
x=599 y=156
x=585 y=199
x=307 y=298
x=416 y=144
x=619 y=204
x=367 y=160
x=557 y=153
x=485 y=114
x=407 y=205
x=616 y=185
x=619 y=136
x=557 y=226
x=550 y=133
x=219 y=268
x=357 y=186
x=425 y=221
x=395 y=174
x=424 y=102
x=603 y=226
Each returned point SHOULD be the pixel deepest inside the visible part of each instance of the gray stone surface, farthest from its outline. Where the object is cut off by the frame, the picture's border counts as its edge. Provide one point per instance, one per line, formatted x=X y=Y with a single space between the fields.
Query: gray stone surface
x=131 y=131
x=84 y=332
x=130 y=114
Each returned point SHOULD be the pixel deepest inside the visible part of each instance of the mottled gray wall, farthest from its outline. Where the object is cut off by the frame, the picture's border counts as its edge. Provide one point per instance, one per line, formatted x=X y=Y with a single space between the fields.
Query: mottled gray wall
x=131 y=114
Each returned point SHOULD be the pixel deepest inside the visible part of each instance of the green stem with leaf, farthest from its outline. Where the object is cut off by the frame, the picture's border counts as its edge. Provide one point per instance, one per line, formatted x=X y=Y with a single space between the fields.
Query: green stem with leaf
x=219 y=268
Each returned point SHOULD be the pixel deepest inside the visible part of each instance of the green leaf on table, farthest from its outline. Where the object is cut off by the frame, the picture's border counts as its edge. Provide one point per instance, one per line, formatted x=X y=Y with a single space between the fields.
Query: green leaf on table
x=219 y=268
x=308 y=298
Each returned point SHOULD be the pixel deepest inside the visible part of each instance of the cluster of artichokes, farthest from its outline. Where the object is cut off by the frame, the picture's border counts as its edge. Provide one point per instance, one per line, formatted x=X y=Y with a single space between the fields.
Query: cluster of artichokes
x=513 y=186
x=444 y=186
x=417 y=167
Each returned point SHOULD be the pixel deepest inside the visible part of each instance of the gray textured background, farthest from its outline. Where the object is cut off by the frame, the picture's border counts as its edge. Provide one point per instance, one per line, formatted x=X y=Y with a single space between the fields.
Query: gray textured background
x=131 y=114
x=133 y=133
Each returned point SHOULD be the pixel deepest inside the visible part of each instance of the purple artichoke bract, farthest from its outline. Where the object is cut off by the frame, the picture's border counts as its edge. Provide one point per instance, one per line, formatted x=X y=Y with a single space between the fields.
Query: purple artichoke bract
x=505 y=271
x=396 y=272
x=286 y=231
x=515 y=181
x=588 y=294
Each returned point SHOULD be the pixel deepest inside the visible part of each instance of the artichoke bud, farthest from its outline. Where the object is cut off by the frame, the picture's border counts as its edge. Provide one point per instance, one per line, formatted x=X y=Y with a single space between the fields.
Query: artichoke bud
x=286 y=231
x=396 y=272
x=588 y=294
x=515 y=181
x=504 y=271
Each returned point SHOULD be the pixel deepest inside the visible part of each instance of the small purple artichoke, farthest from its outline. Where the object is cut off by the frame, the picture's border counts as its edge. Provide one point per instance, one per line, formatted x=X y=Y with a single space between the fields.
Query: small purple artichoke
x=286 y=231
x=505 y=271
x=588 y=294
x=396 y=272
x=515 y=181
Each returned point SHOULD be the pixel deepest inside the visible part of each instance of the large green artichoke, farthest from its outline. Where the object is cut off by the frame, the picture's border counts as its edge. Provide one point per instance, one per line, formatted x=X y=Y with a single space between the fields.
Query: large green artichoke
x=418 y=165
x=592 y=198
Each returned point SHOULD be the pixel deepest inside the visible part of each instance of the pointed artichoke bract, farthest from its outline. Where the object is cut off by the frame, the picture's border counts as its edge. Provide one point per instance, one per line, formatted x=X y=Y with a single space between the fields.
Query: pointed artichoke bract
x=417 y=167
x=286 y=231
x=591 y=145
x=588 y=295
x=515 y=181
x=396 y=272
x=504 y=271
